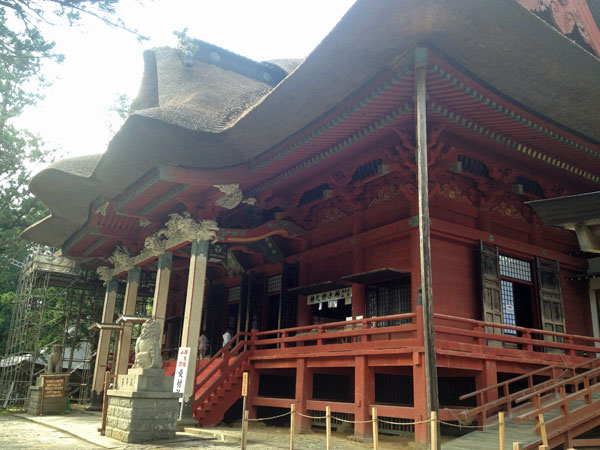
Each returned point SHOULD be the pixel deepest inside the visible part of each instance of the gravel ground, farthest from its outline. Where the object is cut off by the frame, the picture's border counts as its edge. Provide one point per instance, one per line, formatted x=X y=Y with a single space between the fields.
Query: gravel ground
x=17 y=434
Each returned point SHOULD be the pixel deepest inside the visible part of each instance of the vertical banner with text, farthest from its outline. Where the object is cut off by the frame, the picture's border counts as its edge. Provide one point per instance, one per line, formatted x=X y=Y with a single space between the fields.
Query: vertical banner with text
x=181 y=370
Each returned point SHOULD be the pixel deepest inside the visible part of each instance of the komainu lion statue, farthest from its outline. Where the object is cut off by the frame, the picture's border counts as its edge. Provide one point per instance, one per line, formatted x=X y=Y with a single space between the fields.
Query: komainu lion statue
x=55 y=361
x=147 y=348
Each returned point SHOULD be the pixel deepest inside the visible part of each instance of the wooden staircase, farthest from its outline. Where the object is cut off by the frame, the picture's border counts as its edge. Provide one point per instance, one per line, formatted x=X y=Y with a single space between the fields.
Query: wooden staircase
x=569 y=402
x=219 y=383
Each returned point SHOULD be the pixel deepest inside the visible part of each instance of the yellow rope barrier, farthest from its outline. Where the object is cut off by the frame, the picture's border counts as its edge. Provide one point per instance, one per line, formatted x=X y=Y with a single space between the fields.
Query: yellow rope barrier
x=379 y=420
x=271 y=418
x=310 y=417
x=351 y=421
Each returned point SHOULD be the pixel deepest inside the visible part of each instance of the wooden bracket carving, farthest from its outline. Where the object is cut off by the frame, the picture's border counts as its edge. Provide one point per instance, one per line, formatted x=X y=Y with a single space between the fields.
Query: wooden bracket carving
x=568 y=15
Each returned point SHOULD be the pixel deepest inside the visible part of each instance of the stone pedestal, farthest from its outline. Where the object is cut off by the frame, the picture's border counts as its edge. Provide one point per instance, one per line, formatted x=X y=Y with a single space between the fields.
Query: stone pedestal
x=49 y=395
x=143 y=407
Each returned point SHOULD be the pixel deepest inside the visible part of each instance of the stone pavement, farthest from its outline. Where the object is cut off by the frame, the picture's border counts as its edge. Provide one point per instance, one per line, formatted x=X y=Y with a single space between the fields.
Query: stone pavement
x=17 y=433
x=78 y=430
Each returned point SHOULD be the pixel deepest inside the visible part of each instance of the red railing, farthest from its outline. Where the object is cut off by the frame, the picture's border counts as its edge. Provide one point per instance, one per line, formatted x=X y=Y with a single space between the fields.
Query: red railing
x=460 y=330
x=397 y=333
x=452 y=334
x=220 y=366
x=376 y=329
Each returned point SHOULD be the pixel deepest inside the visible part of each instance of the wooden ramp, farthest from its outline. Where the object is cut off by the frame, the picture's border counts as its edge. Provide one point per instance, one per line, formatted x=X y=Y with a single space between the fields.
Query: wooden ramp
x=488 y=438
x=524 y=432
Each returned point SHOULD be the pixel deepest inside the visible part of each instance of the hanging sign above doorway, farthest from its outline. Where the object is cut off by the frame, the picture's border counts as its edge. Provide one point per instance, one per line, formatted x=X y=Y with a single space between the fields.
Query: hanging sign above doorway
x=330 y=296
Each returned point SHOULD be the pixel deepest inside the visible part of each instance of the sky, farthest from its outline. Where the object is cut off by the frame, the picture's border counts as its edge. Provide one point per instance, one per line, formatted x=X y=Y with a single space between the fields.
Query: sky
x=101 y=62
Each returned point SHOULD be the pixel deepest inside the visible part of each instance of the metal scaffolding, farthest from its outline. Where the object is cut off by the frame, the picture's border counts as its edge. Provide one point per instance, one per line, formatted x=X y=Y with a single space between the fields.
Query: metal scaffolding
x=54 y=304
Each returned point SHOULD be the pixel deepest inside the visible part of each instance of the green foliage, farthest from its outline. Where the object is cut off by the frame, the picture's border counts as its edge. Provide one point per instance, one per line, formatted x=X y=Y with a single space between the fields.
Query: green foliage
x=118 y=112
x=186 y=46
x=23 y=51
x=21 y=82
x=6 y=302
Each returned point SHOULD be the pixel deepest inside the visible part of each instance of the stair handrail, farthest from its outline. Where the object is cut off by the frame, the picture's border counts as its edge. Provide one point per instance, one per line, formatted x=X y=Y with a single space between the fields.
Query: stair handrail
x=568 y=419
x=206 y=389
x=508 y=398
x=513 y=380
x=220 y=361
x=574 y=380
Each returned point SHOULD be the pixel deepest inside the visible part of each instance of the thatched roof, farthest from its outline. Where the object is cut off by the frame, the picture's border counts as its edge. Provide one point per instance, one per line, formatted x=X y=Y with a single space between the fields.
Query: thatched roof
x=212 y=118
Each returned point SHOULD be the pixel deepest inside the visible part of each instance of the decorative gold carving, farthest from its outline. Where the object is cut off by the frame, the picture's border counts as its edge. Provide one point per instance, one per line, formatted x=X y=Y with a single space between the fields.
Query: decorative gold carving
x=179 y=228
x=454 y=193
x=233 y=196
x=385 y=195
x=103 y=208
x=566 y=16
x=331 y=215
x=508 y=211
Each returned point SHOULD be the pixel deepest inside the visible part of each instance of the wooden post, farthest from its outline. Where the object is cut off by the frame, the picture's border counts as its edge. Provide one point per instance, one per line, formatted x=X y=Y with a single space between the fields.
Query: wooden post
x=501 y=429
x=43 y=395
x=104 y=403
x=364 y=396
x=292 y=424
x=121 y=359
x=328 y=427
x=108 y=314
x=375 y=429
x=245 y=430
x=304 y=386
x=543 y=430
x=425 y=248
x=161 y=290
x=434 y=427
x=517 y=446
x=543 y=447
x=192 y=317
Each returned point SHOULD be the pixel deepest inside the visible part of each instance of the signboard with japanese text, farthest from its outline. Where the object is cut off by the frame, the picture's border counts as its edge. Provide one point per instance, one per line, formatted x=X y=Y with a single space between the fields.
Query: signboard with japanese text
x=181 y=370
x=245 y=384
x=54 y=387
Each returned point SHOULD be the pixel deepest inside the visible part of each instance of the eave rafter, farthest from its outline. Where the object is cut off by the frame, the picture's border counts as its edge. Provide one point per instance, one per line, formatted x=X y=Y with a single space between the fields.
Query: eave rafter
x=487 y=102
x=569 y=15
x=338 y=121
x=335 y=149
x=511 y=143
x=504 y=123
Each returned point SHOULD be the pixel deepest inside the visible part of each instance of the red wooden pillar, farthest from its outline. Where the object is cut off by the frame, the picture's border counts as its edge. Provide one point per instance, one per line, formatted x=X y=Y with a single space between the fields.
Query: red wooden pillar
x=303 y=315
x=358 y=265
x=252 y=392
x=304 y=386
x=358 y=300
x=364 y=395
x=420 y=398
x=488 y=377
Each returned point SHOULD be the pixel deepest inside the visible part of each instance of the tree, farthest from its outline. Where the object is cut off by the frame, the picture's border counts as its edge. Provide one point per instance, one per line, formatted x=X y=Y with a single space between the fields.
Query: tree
x=23 y=51
x=21 y=82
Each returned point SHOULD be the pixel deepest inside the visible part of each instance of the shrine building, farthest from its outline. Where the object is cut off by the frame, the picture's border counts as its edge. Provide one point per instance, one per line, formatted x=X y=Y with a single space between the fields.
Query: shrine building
x=279 y=200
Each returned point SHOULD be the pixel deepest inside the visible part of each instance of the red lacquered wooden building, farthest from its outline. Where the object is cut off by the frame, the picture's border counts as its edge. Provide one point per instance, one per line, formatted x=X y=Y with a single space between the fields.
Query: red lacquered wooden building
x=279 y=200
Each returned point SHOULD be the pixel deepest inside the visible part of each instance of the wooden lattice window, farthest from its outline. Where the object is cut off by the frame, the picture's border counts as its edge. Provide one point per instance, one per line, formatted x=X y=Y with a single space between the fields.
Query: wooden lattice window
x=388 y=298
